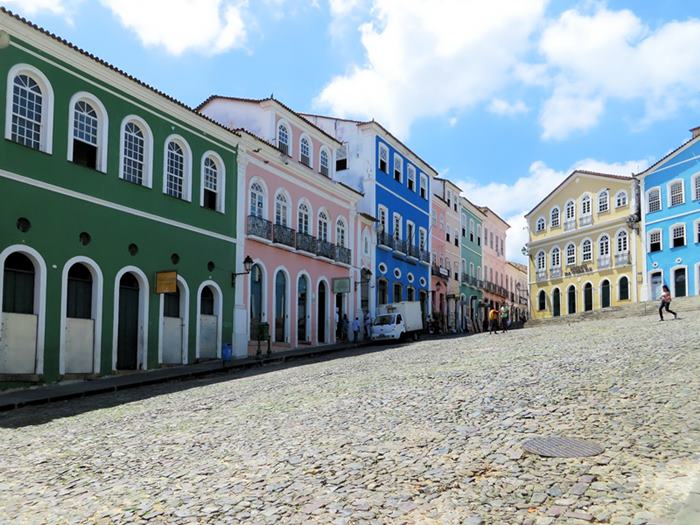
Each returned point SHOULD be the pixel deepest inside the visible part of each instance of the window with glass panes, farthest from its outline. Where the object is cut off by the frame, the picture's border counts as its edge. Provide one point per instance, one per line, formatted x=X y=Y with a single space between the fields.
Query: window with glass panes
x=398 y=169
x=211 y=183
x=556 y=260
x=676 y=193
x=571 y=255
x=383 y=159
x=587 y=250
x=622 y=246
x=621 y=199
x=603 y=202
x=411 y=178
x=678 y=232
x=134 y=153
x=340 y=233
x=654 y=200
x=696 y=187
x=604 y=246
x=540 y=261
x=257 y=198
x=305 y=151
x=655 y=241
x=554 y=218
x=570 y=210
x=324 y=162
x=303 y=219
x=281 y=207
x=323 y=226
x=397 y=226
x=586 y=205
x=283 y=138
x=27 y=103
x=175 y=169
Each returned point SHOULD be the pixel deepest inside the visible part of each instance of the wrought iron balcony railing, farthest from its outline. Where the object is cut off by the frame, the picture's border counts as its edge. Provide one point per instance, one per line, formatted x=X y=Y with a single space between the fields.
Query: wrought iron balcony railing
x=306 y=242
x=283 y=235
x=413 y=251
x=325 y=249
x=425 y=256
x=343 y=254
x=384 y=239
x=259 y=227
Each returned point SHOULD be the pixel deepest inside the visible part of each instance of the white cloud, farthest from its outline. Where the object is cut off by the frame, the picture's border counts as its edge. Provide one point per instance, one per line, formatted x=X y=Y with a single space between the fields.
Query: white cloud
x=207 y=26
x=425 y=62
x=592 y=58
x=344 y=7
x=33 y=7
x=513 y=201
x=503 y=107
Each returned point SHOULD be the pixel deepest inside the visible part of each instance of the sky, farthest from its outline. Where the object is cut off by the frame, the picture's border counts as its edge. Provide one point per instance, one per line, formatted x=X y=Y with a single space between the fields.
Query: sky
x=503 y=97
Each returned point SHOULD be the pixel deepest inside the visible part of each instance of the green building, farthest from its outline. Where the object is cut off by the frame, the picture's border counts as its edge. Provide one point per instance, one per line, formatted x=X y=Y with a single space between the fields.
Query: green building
x=470 y=292
x=107 y=186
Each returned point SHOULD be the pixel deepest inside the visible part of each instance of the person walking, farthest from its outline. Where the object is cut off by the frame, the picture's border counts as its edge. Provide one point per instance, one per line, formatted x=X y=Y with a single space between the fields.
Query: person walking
x=505 y=314
x=345 y=328
x=493 y=321
x=356 y=329
x=665 y=302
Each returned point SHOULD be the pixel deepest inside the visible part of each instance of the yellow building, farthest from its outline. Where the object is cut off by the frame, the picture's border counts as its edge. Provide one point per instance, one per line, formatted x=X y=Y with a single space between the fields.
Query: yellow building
x=585 y=252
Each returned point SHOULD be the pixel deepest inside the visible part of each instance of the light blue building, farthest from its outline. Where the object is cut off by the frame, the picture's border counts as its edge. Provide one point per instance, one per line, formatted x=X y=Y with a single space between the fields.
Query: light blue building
x=396 y=184
x=671 y=221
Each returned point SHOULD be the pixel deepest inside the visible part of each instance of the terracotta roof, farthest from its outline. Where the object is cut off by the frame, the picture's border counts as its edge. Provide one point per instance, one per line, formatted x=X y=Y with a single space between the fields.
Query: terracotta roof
x=486 y=210
x=260 y=101
x=584 y=172
x=111 y=67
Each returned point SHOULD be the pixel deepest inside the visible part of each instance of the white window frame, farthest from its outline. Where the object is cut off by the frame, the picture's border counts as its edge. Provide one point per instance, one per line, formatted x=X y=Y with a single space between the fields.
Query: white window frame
x=604 y=236
x=622 y=234
x=309 y=218
x=411 y=238
x=220 y=180
x=570 y=206
x=187 y=166
x=302 y=138
x=325 y=150
x=423 y=190
x=586 y=200
x=555 y=220
x=326 y=220
x=288 y=218
x=696 y=233
x=338 y=222
x=283 y=124
x=661 y=239
x=648 y=195
x=618 y=195
x=540 y=225
x=411 y=170
x=603 y=201
x=555 y=257
x=385 y=149
x=264 y=194
x=671 y=235
x=583 y=251
x=398 y=161
x=695 y=185
x=102 y=127
x=383 y=211
x=669 y=193
x=422 y=238
x=147 y=149
x=47 y=103
x=395 y=216
x=540 y=261
x=569 y=260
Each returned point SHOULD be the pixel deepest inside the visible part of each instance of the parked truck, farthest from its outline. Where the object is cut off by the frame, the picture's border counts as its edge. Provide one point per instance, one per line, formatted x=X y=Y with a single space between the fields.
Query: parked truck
x=398 y=321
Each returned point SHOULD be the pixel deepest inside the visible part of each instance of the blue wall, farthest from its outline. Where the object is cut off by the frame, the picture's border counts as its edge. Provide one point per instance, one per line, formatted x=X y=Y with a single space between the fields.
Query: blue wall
x=683 y=165
x=397 y=197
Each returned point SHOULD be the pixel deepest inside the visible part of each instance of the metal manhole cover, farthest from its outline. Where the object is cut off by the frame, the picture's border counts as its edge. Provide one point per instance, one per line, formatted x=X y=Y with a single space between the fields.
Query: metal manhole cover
x=561 y=447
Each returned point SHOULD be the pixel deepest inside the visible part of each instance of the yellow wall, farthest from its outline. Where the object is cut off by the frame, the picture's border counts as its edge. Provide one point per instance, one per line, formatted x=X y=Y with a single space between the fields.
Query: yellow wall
x=582 y=272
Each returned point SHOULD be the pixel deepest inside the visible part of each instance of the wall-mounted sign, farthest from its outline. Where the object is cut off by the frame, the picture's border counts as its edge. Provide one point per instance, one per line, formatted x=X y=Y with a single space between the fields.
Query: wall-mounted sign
x=341 y=285
x=166 y=282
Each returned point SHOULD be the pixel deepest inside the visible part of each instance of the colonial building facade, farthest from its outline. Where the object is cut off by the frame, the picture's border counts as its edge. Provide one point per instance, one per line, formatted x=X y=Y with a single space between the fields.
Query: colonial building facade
x=671 y=218
x=471 y=277
x=107 y=184
x=494 y=258
x=585 y=249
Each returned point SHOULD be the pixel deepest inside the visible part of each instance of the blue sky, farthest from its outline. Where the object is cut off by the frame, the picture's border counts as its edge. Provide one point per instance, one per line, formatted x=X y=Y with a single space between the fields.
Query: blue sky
x=505 y=97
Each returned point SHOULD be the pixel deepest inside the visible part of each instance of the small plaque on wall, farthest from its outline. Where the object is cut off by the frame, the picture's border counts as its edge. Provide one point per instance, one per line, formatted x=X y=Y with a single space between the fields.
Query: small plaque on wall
x=166 y=282
x=341 y=285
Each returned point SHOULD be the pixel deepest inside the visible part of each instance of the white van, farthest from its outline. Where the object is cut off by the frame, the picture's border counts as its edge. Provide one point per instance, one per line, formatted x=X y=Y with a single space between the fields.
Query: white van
x=398 y=321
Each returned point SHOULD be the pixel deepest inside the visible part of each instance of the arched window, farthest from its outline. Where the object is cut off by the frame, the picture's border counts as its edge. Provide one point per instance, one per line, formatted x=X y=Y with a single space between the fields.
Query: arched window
x=27 y=112
x=554 y=218
x=654 y=200
x=323 y=226
x=587 y=250
x=324 y=163
x=257 y=200
x=621 y=199
x=622 y=245
x=586 y=205
x=604 y=245
x=18 y=285
x=556 y=257
x=133 y=160
x=570 y=210
x=175 y=170
x=570 y=254
x=210 y=181
x=283 y=138
x=303 y=214
x=305 y=151
x=541 y=301
x=340 y=232
x=603 y=201
x=88 y=144
x=623 y=292
x=281 y=209
x=540 y=224
x=540 y=260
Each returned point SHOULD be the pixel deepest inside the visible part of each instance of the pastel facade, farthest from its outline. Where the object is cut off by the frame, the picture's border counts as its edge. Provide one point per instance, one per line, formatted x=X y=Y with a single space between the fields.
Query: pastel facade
x=106 y=182
x=585 y=251
x=471 y=276
x=516 y=284
x=494 y=258
x=302 y=227
x=396 y=188
x=447 y=254
x=671 y=218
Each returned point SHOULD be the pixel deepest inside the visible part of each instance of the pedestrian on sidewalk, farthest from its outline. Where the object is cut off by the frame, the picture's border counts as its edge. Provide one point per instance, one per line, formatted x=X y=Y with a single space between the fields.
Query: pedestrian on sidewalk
x=665 y=303
x=505 y=314
x=345 y=328
x=356 y=329
x=493 y=321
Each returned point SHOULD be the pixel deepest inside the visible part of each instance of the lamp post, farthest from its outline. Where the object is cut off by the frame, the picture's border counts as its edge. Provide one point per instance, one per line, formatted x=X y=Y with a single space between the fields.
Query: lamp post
x=247 y=266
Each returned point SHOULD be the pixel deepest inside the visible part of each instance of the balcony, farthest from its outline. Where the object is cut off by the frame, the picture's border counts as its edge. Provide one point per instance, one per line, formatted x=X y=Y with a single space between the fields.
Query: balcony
x=259 y=227
x=541 y=275
x=425 y=256
x=569 y=224
x=384 y=239
x=440 y=271
x=306 y=242
x=413 y=251
x=326 y=249
x=585 y=220
x=555 y=273
x=622 y=259
x=603 y=261
x=342 y=254
x=283 y=235
x=400 y=245
x=464 y=278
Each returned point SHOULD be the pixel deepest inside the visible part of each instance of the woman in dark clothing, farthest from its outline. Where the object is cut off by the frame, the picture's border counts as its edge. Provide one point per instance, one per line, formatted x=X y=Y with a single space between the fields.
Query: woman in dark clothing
x=665 y=301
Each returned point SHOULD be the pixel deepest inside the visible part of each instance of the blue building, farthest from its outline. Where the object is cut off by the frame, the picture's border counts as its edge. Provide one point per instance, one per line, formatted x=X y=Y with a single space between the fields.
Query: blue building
x=396 y=184
x=671 y=221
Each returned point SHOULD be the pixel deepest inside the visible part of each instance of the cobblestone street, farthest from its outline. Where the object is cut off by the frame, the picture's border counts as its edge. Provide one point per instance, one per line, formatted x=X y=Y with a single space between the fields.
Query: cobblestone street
x=429 y=432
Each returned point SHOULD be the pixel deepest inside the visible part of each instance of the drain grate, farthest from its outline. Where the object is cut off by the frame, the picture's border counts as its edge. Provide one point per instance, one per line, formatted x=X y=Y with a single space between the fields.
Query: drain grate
x=562 y=447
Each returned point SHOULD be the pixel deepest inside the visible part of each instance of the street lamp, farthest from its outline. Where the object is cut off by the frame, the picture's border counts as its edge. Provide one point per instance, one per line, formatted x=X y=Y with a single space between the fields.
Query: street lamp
x=247 y=266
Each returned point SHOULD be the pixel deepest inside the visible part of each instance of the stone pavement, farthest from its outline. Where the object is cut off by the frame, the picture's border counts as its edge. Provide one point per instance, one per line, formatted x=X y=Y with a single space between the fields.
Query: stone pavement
x=424 y=433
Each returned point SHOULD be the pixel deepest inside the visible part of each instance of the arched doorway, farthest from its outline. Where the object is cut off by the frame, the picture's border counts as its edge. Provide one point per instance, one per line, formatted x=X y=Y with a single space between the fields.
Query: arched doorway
x=208 y=323
x=624 y=289
x=321 y=317
x=588 y=297
x=281 y=314
x=382 y=291
x=173 y=333
x=20 y=323
x=80 y=324
x=556 y=303
x=302 y=309
x=605 y=294
x=256 y=300
x=571 y=299
x=679 y=282
x=128 y=324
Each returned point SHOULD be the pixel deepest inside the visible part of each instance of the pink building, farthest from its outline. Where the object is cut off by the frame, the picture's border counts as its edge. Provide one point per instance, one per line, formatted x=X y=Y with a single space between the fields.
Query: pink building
x=301 y=227
x=494 y=258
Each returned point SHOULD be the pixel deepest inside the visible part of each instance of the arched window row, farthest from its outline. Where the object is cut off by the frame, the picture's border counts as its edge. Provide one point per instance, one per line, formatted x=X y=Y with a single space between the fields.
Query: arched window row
x=305 y=154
